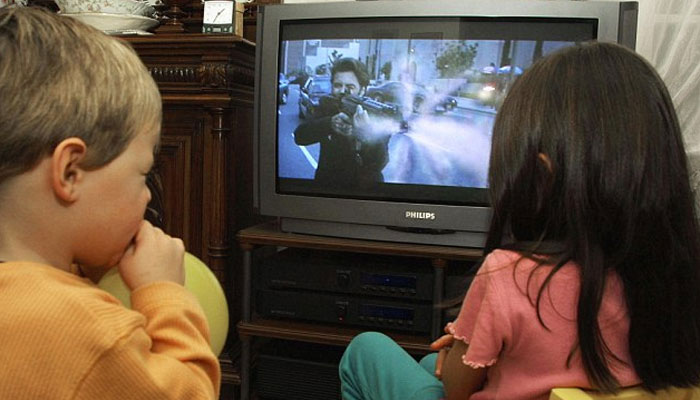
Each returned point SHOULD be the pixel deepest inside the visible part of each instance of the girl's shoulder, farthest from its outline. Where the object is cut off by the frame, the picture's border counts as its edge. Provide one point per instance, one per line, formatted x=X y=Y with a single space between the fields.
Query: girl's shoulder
x=501 y=260
x=524 y=270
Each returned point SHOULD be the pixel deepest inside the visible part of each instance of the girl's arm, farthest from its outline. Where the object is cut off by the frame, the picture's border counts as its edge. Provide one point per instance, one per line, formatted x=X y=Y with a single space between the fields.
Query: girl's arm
x=460 y=380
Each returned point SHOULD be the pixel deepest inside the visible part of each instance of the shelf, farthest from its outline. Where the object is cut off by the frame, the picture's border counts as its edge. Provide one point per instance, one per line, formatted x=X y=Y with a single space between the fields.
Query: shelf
x=230 y=373
x=270 y=234
x=323 y=334
x=270 y=237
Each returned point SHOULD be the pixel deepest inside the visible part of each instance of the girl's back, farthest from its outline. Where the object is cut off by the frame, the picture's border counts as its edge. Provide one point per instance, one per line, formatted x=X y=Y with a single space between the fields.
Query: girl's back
x=528 y=358
x=588 y=165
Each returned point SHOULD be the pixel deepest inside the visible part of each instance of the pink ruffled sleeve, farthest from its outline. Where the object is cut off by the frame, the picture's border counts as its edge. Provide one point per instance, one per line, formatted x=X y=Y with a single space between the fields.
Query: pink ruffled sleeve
x=482 y=321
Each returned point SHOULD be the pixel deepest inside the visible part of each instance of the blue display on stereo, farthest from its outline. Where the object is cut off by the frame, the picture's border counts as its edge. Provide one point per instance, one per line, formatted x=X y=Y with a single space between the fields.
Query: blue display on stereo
x=378 y=311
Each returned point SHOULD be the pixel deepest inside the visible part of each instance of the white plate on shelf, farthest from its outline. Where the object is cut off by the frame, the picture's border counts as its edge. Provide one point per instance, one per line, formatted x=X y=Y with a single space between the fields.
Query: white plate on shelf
x=116 y=24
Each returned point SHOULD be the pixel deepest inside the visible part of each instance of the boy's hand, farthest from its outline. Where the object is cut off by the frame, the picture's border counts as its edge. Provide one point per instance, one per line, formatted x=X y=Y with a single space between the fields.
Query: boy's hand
x=152 y=256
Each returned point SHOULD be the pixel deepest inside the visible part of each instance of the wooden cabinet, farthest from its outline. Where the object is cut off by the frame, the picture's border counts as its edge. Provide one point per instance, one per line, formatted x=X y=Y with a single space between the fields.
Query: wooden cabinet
x=206 y=152
x=268 y=236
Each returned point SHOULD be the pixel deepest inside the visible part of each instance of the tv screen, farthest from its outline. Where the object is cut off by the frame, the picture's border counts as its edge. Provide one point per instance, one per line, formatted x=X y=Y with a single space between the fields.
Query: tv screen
x=433 y=77
x=441 y=79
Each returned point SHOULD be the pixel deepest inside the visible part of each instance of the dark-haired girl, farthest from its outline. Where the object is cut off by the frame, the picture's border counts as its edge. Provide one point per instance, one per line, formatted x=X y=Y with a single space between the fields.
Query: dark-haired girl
x=592 y=271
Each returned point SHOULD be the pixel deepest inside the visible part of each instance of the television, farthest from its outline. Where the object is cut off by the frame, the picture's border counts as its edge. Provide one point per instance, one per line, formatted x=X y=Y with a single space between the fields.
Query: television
x=437 y=72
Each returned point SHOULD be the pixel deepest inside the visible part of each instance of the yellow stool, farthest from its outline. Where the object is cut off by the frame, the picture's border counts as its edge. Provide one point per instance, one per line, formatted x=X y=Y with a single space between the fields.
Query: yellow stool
x=632 y=393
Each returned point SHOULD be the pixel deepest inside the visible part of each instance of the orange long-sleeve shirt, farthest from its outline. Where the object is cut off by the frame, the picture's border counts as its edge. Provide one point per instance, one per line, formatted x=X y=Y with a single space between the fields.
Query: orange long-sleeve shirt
x=61 y=337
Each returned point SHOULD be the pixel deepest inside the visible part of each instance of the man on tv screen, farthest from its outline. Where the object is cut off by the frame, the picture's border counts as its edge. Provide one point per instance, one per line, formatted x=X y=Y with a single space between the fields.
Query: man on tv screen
x=354 y=145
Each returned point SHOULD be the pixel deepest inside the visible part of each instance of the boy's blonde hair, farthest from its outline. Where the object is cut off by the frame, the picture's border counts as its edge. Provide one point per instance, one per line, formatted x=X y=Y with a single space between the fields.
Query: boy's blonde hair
x=60 y=78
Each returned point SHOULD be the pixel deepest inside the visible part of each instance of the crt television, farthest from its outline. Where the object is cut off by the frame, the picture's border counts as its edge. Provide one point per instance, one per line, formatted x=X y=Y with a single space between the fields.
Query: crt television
x=439 y=69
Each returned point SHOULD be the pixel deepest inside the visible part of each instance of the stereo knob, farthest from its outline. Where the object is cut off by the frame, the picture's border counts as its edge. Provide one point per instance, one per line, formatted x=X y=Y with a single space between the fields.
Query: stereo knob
x=343 y=280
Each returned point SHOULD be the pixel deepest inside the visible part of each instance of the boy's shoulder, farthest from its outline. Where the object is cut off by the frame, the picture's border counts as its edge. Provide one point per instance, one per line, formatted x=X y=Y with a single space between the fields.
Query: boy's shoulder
x=55 y=325
x=36 y=297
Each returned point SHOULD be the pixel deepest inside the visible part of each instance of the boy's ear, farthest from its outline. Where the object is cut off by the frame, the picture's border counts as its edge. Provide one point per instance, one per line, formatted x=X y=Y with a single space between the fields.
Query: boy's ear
x=66 y=172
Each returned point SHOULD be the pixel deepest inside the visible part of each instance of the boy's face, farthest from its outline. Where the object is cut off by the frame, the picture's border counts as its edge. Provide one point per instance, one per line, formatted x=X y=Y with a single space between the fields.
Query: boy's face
x=115 y=201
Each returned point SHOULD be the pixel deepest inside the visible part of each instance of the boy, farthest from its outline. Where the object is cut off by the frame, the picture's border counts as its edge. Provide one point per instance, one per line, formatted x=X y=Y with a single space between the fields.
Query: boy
x=79 y=124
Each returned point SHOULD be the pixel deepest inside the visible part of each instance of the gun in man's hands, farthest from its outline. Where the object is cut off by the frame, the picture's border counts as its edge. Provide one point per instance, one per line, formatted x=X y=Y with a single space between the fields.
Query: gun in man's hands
x=347 y=103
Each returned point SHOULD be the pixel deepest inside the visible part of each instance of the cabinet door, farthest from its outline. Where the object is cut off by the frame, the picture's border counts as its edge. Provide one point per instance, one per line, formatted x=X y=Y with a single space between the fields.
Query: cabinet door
x=179 y=164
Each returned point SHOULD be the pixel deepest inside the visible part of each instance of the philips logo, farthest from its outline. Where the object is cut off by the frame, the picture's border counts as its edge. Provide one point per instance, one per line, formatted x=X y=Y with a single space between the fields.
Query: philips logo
x=419 y=215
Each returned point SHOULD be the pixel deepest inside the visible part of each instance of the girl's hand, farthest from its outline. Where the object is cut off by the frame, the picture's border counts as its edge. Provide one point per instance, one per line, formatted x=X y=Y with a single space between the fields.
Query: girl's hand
x=442 y=345
x=153 y=256
x=460 y=380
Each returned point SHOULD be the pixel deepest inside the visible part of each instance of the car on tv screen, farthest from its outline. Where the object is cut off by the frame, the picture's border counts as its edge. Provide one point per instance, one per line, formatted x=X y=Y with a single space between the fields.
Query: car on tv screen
x=310 y=92
x=283 y=89
x=415 y=98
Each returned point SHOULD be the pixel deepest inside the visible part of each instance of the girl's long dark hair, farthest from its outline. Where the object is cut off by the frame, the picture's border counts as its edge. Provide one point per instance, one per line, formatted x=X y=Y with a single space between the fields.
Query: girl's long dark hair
x=612 y=193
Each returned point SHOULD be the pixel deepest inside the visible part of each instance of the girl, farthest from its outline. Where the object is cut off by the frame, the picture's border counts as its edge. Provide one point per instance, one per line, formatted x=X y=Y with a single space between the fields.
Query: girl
x=592 y=273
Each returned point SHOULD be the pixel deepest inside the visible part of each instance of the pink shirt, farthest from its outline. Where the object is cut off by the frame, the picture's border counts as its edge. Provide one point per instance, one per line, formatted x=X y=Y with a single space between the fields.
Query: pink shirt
x=499 y=322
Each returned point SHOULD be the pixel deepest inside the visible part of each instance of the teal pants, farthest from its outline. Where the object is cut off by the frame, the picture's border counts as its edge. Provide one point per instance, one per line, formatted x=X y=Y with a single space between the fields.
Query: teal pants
x=374 y=367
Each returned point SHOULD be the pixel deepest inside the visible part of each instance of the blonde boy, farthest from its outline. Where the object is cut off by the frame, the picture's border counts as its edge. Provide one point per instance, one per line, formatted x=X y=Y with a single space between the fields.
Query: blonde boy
x=79 y=124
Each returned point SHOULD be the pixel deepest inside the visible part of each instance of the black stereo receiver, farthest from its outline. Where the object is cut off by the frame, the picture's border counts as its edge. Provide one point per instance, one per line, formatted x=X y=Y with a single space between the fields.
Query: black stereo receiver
x=349 y=273
x=344 y=309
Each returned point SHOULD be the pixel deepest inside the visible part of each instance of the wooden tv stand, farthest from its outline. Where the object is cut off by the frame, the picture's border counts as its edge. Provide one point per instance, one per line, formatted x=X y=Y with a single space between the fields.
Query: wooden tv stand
x=269 y=235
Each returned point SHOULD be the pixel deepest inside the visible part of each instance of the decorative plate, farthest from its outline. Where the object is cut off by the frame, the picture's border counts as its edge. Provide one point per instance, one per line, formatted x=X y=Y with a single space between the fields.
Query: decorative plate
x=116 y=24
